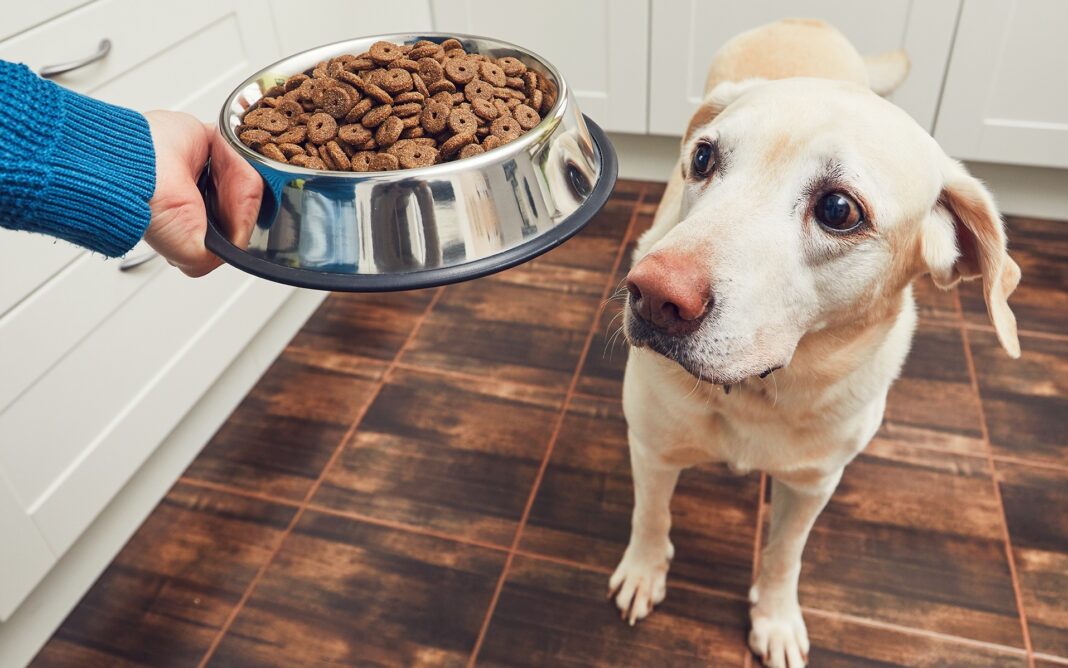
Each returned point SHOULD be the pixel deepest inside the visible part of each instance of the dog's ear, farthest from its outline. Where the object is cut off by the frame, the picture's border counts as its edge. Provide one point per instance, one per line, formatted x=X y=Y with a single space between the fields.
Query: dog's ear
x=887 y=71
x=964 y=238
x=718 y=99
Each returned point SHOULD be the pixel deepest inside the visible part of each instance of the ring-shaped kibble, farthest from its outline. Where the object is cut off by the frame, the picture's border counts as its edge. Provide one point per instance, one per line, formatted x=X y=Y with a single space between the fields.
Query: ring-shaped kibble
x=376 y=116
x=492 y=73
x=414 y=155
x=337 y=102
x=452 y=43
x=478 y=89
x=273 y=152
x=410 y=96
x=384 y=162
x=470 y=151
x=296 y=134
x=526 y=117
x=294 y=82
x=341 y=161
x=462 y=120
x=378 y=94
x=420 y=85
x=435 y=116
x=291 y=150
x=407 y=109
x=389 y=131
x=289 y=109
x=512 y=67
x=443 y=86
x=254 y=137
x=385 y=52
x=361 y=162
x=321 y=128
x=461 y=70
x=484 y=109
x=397 y=81
x=354 y=134
x=267 y=119
x=457 y=142
x=537 y=101
x=431 y=71
x=357 y=112
x=491 y=142
x=405 y=64
x=505 y=127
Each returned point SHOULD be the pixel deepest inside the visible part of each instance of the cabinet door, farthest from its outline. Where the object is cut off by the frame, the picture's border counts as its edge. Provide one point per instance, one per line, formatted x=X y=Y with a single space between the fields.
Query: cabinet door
x=24 y=554
x=687 y=33
x=1005 y=98
x=337 y=20
x=599 y=46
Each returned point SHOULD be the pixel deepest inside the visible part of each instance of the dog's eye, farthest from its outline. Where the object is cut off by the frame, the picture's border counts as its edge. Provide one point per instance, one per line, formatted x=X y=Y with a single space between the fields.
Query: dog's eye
x=838 y=212
x=704 y=160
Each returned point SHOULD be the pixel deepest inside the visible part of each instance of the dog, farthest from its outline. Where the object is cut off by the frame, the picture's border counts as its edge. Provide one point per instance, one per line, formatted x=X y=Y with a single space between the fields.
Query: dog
x=779 y=268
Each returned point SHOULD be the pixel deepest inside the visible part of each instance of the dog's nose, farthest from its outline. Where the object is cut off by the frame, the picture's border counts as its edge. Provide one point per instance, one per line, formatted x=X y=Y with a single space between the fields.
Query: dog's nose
x=670 y=291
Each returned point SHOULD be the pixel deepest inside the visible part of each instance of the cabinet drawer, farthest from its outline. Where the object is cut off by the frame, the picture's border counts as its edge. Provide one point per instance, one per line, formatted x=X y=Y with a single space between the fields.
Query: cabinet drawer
x=51 y=321
x=19 y=16
x=75 y=437
x=29 y=260
x=163 y=55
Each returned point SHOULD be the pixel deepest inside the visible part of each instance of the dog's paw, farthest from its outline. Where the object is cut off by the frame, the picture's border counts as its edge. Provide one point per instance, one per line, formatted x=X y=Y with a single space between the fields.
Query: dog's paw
x=640 y=582
x=778 y=636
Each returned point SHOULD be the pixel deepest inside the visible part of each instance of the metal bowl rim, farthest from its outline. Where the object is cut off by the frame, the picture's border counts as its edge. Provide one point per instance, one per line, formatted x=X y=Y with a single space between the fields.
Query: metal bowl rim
x=535 y=135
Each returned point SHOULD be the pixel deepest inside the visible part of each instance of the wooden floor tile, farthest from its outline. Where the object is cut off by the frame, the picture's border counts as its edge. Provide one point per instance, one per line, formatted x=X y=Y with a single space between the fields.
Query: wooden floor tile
x=282 y=434
x=457 y=456
x=840 y=643
x=1025 y=400
x=506 y=331
x=166 y=594
x=1040 y=302
x=343 y=592
x=555 y=615
x=934 y=304
x=933 y=404
x=583 y=506
x=914 y=538
x=1035 y=503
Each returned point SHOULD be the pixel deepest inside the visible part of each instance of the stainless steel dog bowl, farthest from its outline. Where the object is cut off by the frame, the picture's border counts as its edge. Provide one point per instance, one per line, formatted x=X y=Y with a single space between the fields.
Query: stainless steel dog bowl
x=418 y=228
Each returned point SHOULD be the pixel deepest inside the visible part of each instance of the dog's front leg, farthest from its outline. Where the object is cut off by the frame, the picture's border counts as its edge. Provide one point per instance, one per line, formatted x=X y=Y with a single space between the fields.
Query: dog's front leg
x=640 y=580
x=778 y=635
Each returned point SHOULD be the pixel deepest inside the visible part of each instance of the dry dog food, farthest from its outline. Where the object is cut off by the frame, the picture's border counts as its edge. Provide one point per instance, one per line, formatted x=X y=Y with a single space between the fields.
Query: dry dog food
x=397 y=106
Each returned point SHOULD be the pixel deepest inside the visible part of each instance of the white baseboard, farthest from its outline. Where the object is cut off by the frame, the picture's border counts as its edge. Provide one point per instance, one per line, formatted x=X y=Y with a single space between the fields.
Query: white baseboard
x=22 y=636
x=1033 y=192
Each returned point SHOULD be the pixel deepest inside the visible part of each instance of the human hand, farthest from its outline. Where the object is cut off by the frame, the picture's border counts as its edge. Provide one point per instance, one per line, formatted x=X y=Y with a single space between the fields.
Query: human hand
x=179 y=220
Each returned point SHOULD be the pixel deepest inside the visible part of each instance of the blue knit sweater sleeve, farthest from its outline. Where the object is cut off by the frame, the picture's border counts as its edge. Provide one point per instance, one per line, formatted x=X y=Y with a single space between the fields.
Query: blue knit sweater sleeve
x=72 y=167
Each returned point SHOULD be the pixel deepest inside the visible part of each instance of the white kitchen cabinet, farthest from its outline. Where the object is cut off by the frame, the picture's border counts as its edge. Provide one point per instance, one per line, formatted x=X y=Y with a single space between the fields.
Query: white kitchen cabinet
x=1005 y=98
x=686 y=34
x=337 y=20
x=99 y=364
x=186 y=56
x=599 y=46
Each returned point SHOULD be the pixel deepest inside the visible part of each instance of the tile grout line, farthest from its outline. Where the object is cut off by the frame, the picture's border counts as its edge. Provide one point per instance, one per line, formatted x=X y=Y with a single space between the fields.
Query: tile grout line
x=605 y=293
x=592 y=568
x=984 y=429
x=225 y=628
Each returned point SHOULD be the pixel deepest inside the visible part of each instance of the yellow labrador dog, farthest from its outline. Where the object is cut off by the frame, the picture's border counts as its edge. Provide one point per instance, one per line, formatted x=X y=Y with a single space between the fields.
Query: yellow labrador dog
x=803 y=208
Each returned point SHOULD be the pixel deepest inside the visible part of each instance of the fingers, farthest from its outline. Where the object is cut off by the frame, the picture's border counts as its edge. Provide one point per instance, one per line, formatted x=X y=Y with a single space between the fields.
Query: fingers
x=239 y=190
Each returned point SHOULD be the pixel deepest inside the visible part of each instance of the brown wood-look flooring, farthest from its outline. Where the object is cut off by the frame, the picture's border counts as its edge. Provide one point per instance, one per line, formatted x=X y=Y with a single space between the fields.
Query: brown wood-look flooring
x=441 y=478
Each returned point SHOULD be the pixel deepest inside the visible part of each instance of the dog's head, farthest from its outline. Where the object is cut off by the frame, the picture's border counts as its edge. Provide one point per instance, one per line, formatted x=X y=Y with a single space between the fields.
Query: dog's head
x=807 y=204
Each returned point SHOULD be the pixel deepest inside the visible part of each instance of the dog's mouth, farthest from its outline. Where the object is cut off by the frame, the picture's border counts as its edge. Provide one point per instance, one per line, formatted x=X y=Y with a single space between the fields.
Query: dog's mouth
x=680 y=350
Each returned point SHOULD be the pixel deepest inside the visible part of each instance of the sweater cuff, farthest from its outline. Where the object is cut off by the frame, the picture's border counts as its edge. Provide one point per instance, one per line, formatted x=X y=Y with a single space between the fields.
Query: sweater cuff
x=76 y=168
x=103 y=176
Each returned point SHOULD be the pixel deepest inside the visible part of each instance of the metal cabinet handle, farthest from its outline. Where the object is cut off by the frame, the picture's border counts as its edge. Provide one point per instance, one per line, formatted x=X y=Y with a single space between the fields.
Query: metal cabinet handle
x=102 y=50
x=132 y=261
